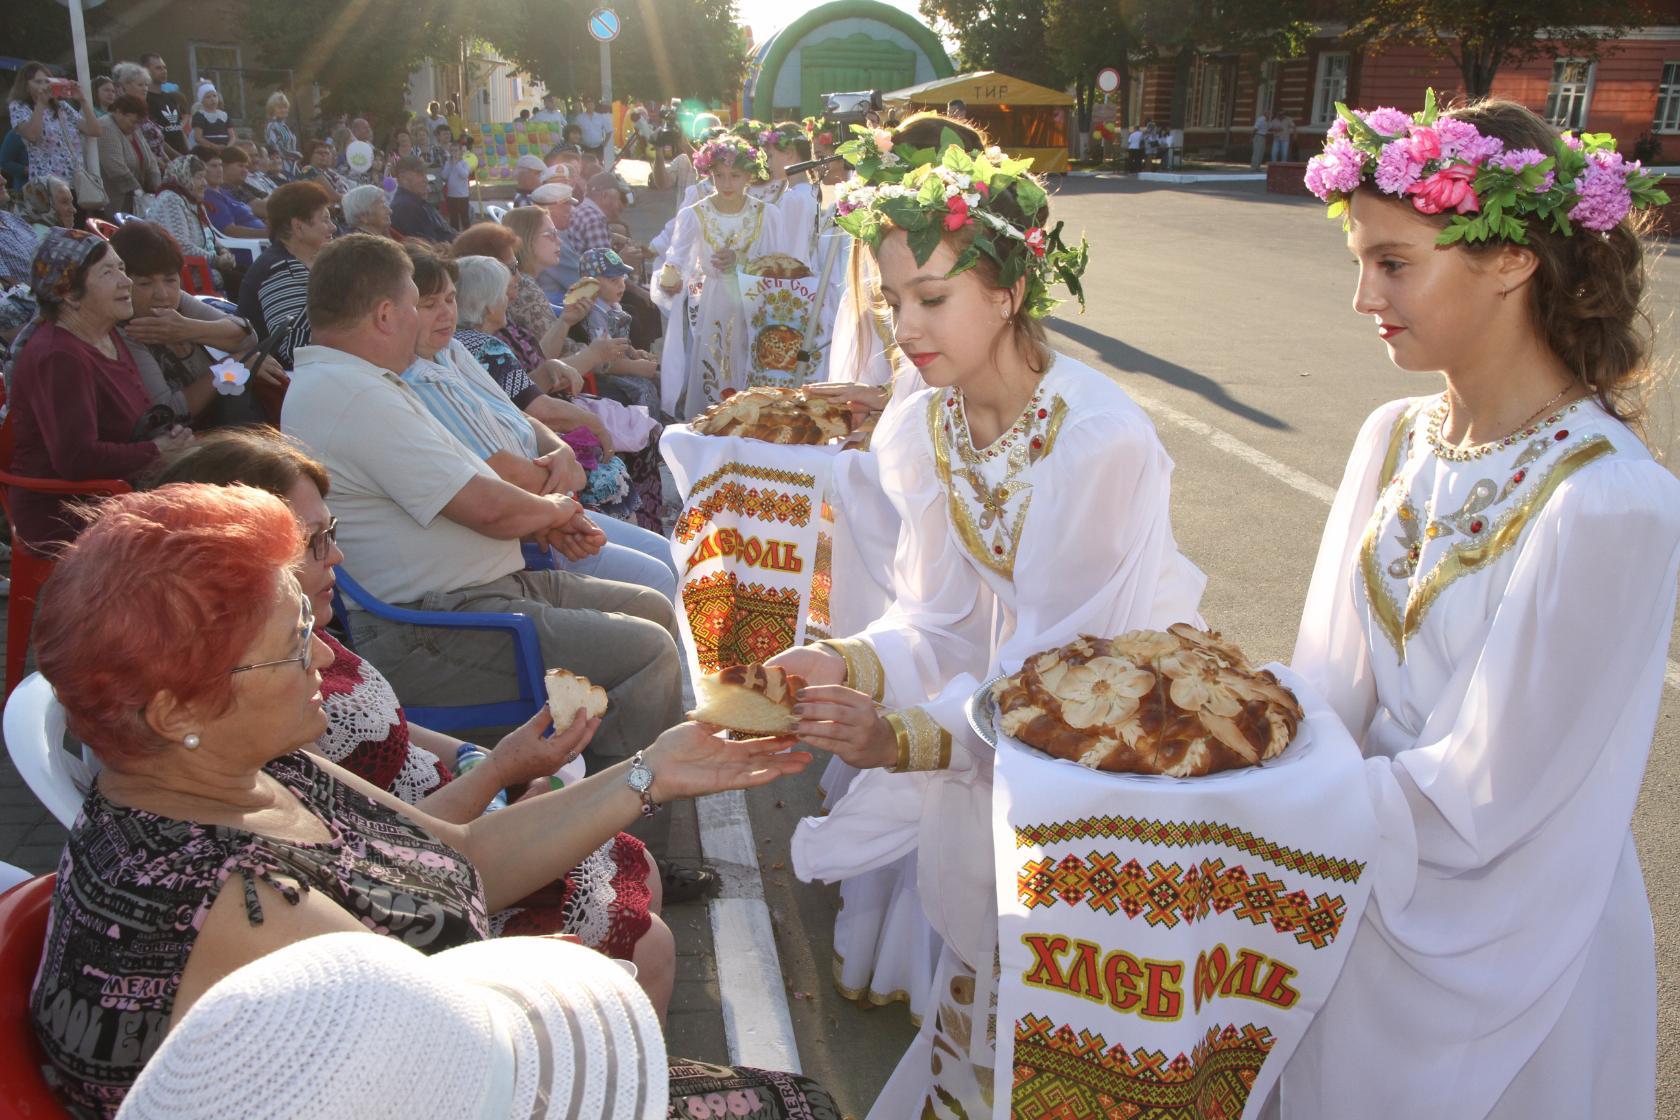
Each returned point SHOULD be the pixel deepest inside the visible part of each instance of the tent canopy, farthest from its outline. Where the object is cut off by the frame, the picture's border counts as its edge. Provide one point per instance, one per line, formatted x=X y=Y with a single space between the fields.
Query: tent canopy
x=978 y=87
x=1028 y=121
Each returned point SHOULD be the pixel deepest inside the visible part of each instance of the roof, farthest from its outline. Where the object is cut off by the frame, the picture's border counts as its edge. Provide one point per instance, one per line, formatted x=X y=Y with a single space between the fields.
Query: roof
x=980 y=87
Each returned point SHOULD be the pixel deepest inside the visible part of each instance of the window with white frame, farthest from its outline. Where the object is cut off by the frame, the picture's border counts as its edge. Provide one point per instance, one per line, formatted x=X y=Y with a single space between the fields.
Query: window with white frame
x=1668 y=99
x=1208 y=101
x=1331 y=85
x=1265 y=98
x=1570 y=92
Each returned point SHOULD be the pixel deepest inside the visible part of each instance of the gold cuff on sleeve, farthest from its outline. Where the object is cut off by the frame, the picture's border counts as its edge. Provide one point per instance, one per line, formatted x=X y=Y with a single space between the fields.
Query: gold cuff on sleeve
x=922 y=744
x=863 y=668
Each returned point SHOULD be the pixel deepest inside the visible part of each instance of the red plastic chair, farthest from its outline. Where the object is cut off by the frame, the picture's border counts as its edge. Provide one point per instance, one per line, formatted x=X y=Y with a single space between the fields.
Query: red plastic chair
x=196 y=277
x=101 y=227
x=23 y=932
x=30 y=569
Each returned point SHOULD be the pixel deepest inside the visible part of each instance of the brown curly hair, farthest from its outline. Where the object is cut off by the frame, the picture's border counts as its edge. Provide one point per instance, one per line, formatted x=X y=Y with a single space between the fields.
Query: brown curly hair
x=1586 y=297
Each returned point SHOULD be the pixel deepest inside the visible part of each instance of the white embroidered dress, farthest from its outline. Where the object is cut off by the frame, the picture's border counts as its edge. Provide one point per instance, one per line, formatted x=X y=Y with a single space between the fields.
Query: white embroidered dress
x=1059 y=528
x=706 y=336
x=1494 y=632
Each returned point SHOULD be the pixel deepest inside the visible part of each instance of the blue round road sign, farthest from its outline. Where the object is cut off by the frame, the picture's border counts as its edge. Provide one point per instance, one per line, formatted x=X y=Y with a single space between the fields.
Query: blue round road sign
x=603 y=25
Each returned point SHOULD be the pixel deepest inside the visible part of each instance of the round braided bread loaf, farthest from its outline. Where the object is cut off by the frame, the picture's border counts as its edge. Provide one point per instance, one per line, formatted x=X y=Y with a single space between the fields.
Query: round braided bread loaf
x=1181 y=702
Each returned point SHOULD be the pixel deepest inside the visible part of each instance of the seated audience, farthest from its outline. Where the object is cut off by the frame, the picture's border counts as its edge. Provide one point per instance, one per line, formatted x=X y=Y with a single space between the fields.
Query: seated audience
x=170 y=333
x=207 y=783
x=634 y=378
x=179 y=208
x=427 y=523
x=126 y=163
x=319 y=157
x=227 y=213
x=411 y=214
x=18 y=241
x=78 y=407
x=482 y=305
x=47 y=203
x=557 y=199
x=366 y=210
x=276 y=288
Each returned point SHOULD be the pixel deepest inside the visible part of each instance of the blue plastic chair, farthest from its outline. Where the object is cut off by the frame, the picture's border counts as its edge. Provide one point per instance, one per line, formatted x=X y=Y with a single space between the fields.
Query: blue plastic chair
x=527 y=657
x=224 y=305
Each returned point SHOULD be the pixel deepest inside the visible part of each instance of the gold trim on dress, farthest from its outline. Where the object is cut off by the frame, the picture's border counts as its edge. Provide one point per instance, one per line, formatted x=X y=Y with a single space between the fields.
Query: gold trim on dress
x=716 y=238
x=1023 y=445
x=868 y=995
x=923 y=744
x=863 y=666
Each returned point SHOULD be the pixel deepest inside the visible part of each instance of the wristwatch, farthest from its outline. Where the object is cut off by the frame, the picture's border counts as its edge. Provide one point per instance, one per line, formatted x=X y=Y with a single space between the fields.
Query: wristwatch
x=640 y=779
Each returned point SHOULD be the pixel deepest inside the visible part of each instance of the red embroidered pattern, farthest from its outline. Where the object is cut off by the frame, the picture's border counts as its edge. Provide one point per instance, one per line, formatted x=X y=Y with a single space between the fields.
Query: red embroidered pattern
x=737 y=623
x=1060 y=1075
x=1182 y=834
x=744 y=501
x=1164 y=895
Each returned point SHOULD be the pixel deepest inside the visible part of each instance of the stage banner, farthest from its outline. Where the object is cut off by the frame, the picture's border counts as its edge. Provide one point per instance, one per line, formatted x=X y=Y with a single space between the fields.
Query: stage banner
x=746 y=544
x=1164 y=943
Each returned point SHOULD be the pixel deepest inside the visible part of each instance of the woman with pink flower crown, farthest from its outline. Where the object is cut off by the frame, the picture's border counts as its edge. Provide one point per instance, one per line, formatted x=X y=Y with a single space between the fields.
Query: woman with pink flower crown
x=707 y=335
x=1490 y=617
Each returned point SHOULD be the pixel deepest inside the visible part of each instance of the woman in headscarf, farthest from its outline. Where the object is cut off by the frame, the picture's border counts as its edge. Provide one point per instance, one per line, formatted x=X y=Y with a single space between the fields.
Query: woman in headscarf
x=47 y=204
x=79 y=408
x=179 y=208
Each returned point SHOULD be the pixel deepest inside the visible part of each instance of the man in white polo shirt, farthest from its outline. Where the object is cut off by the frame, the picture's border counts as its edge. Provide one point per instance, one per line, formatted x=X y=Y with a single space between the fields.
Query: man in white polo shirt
x=426 y=524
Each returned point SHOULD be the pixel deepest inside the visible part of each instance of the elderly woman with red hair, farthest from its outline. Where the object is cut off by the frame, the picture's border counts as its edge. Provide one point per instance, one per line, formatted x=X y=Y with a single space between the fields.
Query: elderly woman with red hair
x=178 y=640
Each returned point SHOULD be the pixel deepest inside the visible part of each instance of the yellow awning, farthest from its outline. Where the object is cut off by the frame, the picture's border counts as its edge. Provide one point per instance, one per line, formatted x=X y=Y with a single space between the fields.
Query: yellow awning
x=979 y=87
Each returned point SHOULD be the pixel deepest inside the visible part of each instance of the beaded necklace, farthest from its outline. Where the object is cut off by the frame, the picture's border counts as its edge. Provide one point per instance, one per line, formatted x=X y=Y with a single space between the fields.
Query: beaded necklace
x=1469 y=452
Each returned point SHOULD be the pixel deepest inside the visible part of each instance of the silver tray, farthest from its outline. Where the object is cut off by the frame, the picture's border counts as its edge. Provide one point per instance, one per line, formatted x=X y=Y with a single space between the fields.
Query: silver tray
x=982 y=712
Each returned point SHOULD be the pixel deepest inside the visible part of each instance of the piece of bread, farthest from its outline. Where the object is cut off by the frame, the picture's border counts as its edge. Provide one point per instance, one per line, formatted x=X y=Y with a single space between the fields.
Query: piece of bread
x=775 y=415
x=1182 y=702
x=778 y=266
x=583 y=291
x=755 y=699
x=568 y=692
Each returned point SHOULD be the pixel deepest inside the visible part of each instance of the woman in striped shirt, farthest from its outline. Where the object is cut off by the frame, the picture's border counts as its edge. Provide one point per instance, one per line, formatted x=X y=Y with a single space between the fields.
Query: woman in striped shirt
x=276 y=286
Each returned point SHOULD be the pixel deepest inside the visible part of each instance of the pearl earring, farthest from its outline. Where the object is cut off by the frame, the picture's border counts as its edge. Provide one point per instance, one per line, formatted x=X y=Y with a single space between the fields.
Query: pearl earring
x=190 y=740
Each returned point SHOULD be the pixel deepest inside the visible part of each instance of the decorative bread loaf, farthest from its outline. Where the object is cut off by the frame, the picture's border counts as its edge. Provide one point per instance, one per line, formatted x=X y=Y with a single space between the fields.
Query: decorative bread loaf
x=775 y=415
x=778 y=266
x=756 y=699
x=568 y=692
x=1181 y=702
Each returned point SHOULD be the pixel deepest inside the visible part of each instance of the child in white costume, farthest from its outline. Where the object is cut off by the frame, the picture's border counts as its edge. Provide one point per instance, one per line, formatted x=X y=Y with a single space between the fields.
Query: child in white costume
x=706 y=336
x=1490 y=616
x=1033 y=496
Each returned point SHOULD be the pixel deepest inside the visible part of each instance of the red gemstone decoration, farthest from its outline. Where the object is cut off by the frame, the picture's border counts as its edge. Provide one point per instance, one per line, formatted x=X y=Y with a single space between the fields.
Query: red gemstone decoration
x=1475 y=526
x=998 y=548
x=1519 y=476
x=1042 y=414
x=1562 y=434
x=1037 y=443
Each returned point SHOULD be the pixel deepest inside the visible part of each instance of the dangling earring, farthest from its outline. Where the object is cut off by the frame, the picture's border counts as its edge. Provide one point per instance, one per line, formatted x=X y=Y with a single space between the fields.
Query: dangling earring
x=190 y=740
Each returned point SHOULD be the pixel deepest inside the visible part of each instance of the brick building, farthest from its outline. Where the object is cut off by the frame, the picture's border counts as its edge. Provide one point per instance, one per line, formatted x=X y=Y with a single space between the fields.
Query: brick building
x=1631 y=92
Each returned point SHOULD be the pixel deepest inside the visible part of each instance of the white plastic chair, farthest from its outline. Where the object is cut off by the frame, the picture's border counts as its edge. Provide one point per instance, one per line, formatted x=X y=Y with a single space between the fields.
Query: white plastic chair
x=11 y=875
x=496 y=213
x=250 y=247
x=35 y=731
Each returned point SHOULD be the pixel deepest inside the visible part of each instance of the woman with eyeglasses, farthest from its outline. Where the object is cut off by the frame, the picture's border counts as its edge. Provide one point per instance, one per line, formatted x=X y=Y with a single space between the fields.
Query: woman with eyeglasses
x=178 y=638
x=78 y=403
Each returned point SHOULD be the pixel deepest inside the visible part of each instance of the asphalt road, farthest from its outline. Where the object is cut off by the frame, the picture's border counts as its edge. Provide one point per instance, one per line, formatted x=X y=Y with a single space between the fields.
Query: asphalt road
x=1226 y=313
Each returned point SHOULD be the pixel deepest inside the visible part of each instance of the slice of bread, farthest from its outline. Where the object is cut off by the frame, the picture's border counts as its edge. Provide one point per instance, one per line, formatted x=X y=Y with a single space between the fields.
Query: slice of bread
x=754 y=699
x=568 y=692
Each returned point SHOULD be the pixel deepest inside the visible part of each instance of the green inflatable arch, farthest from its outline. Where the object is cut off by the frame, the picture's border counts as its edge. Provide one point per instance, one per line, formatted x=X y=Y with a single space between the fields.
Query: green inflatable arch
x=764 y=88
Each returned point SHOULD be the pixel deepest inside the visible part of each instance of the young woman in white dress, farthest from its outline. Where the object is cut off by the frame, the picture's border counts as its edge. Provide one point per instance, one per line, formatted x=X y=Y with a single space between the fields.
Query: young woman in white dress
x=1033 y=501
x=707 y=334
x=1490 y=616
x=786 y=143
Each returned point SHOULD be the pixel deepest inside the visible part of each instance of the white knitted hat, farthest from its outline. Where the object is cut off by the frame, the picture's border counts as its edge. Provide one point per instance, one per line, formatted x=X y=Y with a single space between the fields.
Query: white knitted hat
x=354 y=1026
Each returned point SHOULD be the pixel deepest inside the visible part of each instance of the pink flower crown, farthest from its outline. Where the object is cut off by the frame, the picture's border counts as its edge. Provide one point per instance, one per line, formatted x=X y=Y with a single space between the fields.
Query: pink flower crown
x=1445 y=165
x=730 y=150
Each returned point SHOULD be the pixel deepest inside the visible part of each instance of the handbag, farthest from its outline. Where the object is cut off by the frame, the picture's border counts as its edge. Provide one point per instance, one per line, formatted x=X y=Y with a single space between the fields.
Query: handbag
x=90 y=191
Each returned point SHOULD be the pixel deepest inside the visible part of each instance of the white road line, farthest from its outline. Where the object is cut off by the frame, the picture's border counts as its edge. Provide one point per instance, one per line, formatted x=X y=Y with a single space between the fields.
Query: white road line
x=1283 y=472
x=756 y=1019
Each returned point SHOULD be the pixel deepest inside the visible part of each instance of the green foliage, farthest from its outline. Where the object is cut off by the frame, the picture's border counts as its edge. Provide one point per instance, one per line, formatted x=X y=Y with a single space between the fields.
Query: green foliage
x=1481 y=37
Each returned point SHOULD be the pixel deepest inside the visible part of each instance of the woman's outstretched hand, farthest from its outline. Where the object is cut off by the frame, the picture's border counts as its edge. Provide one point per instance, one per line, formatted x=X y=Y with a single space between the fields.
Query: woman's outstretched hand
x=692 y=759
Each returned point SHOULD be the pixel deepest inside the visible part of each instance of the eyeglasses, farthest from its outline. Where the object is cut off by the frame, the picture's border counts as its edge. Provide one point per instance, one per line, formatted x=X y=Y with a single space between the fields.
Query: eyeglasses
x=306 y=624
x=321 y=541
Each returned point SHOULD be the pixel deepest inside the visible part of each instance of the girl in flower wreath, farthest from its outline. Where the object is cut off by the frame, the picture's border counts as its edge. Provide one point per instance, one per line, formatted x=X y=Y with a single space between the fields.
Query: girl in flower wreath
x=699 y=285
x=1032 y=502
x=1490 y=616
x=785 y=143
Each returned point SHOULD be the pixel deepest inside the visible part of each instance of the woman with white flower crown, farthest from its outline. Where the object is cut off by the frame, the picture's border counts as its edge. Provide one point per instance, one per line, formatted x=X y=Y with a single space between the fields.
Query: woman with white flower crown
x=987 y=470
x=1490 y=616
x=699 y=285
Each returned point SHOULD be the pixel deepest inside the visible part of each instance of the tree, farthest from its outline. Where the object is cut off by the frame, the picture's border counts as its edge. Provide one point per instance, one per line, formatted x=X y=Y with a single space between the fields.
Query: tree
x=1085 y=36
x=1008 y=36
x=667 y=48
x=39 y=30
x=1481 y=37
